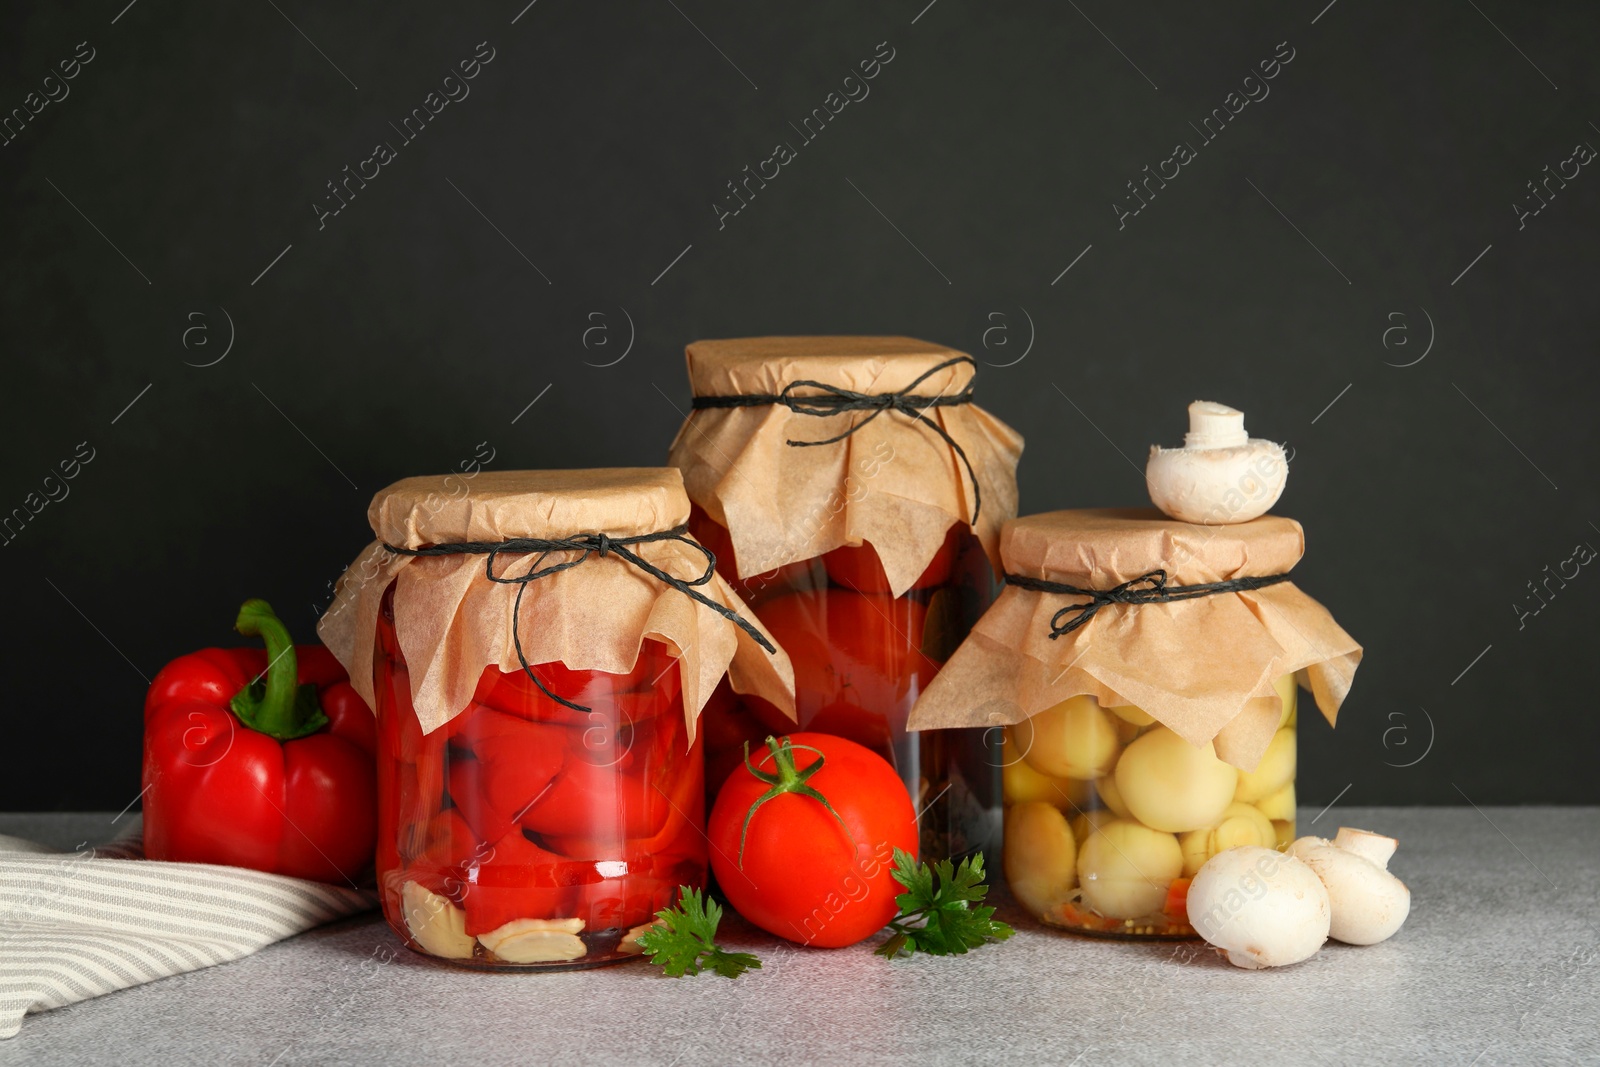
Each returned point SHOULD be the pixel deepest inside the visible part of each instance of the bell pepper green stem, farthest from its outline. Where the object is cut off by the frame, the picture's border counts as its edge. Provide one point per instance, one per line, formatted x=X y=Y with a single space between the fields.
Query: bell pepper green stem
x=279 y=707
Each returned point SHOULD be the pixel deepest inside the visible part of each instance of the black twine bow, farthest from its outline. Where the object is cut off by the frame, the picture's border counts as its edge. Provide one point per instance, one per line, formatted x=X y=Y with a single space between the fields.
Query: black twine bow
x=832 y=400
x=589 y=545
x=1149 y=588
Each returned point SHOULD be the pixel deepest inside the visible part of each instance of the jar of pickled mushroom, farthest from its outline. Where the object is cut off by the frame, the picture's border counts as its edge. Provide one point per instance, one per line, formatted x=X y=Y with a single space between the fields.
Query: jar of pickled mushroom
x=853 y=494
x=1144 y=675
x=537 y=648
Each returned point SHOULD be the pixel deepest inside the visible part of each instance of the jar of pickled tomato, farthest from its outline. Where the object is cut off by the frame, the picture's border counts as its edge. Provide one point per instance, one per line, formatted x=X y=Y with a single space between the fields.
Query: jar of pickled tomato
x=1144 y=676
x=853 y=494
x=540 y=771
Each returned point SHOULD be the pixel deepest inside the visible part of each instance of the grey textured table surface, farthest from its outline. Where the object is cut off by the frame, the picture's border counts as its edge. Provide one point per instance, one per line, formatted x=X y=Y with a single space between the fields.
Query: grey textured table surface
x=1496 y=965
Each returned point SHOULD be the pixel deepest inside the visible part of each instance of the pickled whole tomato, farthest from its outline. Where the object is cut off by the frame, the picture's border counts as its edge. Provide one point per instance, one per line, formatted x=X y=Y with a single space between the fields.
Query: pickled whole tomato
x=858 y=567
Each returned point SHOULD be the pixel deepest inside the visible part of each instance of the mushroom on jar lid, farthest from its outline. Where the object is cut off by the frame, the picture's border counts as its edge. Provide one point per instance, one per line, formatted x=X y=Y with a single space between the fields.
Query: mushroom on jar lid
x=1221 y=475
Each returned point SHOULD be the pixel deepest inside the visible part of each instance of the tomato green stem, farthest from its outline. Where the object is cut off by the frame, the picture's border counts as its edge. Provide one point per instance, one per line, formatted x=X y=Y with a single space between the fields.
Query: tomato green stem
x=280 y=707
x=786 y=778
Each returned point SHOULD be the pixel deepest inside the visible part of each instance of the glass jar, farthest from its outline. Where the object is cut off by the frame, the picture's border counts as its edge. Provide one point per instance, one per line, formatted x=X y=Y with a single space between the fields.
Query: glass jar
x=1144 y=676
x=523 y=833
x=862 y=657
x=1109 y=814
x=865 y=489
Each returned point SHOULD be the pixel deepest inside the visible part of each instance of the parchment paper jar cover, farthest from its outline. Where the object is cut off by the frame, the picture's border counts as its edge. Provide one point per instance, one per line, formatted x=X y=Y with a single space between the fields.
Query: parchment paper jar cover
x=893 y=483
x=1203 y=667
x=519 y=828
x=452 y=621
x=841 y=493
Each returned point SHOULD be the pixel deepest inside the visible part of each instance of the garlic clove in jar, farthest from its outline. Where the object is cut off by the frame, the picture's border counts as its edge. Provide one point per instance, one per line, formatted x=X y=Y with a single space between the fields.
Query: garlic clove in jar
x=1241 y=825
x=1073 y=739
x=629 y=942
x=1173 y=786
x=1041 y=856
x=1275 y=770
x=435 y=923
x=1125 y=869
x=536 y=940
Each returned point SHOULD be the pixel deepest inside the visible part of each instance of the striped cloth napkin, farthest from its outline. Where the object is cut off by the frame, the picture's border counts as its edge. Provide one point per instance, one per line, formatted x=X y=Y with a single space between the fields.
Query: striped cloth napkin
x=75 y=925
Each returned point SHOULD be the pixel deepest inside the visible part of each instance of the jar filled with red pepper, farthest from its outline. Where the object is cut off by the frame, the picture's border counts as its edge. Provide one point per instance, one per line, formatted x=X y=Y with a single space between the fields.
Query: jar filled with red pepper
x=539 y=647
x=853 y=494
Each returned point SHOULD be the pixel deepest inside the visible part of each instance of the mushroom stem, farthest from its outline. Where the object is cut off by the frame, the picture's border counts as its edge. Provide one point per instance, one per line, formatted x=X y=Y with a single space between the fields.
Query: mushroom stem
x=1221 y=475
x=1369 y=846
x=1213 y=425
x=1369 y=904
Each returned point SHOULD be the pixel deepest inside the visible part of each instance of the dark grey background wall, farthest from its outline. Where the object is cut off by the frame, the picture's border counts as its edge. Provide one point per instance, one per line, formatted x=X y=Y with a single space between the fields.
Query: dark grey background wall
x=1348 y=262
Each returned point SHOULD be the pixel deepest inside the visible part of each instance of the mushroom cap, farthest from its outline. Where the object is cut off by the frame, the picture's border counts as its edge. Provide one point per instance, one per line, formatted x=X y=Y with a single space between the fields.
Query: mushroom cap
x=1369 y=904
x=1374 y=847
x=1125 y=869
x=1217 y=486
x=1072 y=739
x=1263 y=908
x=1169 y=784
x=1274 y=770
x=1040 y=856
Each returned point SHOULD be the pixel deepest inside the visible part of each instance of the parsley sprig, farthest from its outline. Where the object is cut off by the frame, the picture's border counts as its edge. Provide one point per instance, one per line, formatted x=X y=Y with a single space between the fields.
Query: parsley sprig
x=683 y=939
x=950 y=923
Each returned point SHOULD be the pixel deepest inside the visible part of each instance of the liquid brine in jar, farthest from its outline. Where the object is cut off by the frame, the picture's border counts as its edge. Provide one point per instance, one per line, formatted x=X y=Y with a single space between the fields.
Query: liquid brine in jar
x=541 y=770
x=1116 y=794
x=853 y=494
x=525 y=832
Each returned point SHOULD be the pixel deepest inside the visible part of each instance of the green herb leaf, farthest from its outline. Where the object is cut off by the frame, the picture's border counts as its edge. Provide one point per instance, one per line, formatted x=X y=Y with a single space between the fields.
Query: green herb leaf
x=942 y=899
x=683 y=939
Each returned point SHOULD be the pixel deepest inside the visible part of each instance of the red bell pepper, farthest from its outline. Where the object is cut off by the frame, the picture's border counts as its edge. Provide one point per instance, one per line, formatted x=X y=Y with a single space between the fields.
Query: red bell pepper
x=275 y=775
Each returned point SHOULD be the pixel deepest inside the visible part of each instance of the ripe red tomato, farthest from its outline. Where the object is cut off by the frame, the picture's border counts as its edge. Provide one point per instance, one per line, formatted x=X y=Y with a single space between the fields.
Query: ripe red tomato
x=858 y=567
x=803 y=874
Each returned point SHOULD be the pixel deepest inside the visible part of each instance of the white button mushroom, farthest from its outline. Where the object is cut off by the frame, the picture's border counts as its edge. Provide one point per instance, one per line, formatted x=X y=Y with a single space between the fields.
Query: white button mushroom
x=1263 y=908
x=1132 y=716
x=1074 y=739
x=1278 y=806
x=1019 y=782
x=1241 y=825
x=1221 y=475
x=1106 y=788
x=536 y=940
x=1041 y=856
x=1275 y=770
x=1288 y=691
x=436 y=924
x=1169 y=784
x=1369 y=903
x=1125 y=869
x=1089 y=822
